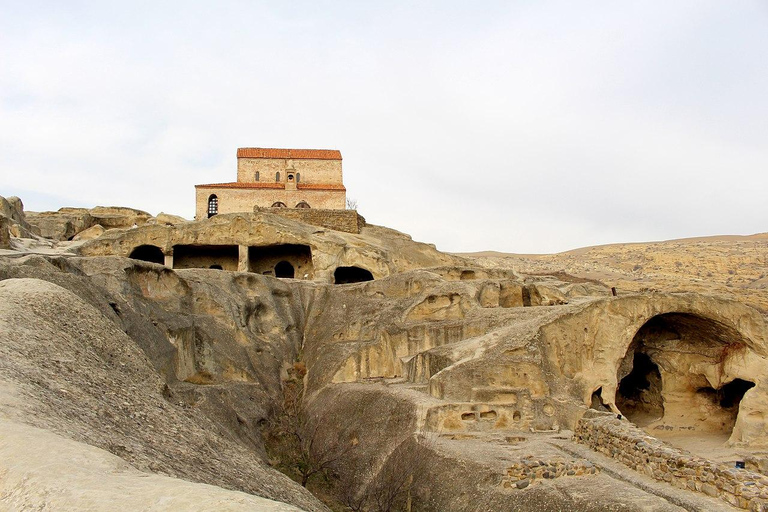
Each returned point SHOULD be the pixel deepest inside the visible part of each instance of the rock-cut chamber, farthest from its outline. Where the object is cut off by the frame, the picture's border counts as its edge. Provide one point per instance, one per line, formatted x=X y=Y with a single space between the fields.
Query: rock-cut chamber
x=663 y=379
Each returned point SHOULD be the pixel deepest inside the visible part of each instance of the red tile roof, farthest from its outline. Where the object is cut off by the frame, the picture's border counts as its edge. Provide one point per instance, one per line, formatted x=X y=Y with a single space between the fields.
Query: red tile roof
x=299 y=186
x=237 y=184
x=290 y=154
x=319 y=186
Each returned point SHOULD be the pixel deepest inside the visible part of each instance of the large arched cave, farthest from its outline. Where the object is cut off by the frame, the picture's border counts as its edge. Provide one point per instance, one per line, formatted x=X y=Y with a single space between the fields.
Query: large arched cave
x=663 y=379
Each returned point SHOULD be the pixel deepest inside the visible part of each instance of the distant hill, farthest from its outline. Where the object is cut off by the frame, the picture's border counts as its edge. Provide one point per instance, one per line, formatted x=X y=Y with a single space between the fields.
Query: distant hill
x=733 y=266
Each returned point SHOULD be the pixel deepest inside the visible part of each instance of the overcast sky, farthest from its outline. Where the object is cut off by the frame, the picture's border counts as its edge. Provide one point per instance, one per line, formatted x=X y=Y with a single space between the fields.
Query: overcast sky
x=529 y=126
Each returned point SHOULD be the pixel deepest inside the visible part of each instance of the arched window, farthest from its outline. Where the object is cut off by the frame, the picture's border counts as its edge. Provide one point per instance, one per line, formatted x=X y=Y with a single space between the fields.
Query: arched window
x=303 y=204
x=298 y=177
x=257 y=175
x=279 y=204
x=290 y=176
x=277 y=176
x=213 y=205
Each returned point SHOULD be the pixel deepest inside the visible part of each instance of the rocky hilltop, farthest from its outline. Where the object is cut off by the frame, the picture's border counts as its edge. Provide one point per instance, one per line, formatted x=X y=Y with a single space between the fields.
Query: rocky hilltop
x=173 y=360
x=729 y=266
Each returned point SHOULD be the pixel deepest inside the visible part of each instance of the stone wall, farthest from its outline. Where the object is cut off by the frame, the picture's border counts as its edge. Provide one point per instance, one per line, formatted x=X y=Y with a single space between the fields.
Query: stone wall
x=312 y=171
x=628 y=444
x=339 y=220
x=244 y=200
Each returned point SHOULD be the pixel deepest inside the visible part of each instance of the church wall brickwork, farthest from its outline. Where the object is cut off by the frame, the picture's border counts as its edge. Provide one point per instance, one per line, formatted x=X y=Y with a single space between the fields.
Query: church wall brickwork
x=311 y=171
x=241 y=200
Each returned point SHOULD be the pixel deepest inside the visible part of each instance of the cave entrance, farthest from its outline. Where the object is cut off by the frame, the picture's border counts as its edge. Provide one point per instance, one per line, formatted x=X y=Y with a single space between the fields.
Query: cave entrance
x=665 y=378
x=224 y=257
x=598 y=403
x=282 y=260
x=639 y=394
x=346 y=275
x=150 y=253
x=284 y=270
x=725 y=400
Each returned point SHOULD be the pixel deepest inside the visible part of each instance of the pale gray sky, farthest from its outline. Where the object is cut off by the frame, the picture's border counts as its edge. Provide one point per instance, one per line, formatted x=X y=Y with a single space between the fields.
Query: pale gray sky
x=529 y=126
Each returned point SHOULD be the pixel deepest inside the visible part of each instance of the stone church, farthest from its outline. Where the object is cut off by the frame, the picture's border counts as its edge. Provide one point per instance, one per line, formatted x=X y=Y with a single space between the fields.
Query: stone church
x=276 y=178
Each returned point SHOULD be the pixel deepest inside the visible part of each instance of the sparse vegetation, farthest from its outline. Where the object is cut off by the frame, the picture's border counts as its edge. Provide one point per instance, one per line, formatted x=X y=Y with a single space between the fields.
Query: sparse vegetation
x=297 y=446
x=293 y=437
x=391 y=489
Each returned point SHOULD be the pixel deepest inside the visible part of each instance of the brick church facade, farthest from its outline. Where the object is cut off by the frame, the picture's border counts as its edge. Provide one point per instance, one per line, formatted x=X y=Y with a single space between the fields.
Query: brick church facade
x=276 y=178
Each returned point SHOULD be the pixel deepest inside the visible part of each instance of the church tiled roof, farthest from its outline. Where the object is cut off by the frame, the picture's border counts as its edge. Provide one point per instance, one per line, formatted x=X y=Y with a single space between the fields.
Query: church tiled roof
x=237 y=184
x=299 y=186
x=290 y=154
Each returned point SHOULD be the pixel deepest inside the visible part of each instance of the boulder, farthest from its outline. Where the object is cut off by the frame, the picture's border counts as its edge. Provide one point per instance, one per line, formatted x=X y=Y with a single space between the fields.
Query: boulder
x=118 y=217
x=62 y=224
x=16 y=225
x=167 y=219
x=90 y=233
x=65 y=223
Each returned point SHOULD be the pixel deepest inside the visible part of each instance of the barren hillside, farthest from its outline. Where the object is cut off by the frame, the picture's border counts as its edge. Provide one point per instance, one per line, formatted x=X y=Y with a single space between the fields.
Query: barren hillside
x=730 y=266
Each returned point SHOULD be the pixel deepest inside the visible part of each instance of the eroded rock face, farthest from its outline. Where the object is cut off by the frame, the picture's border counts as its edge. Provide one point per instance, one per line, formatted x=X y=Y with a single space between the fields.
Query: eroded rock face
x=66 y=223
x=90 y=233
x=258 y=242
x=697 y=345
x=479 y=371
x=39 y=474
x=62 y=224
x=5 y=233
x=171 y=374
x=13 y=221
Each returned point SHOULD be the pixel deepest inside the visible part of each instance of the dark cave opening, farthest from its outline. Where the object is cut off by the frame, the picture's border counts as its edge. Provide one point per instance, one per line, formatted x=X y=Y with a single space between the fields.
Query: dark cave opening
x=639 y=395
x=346 y=275
x=205 y=256
x=732 y=393
x=597 y=401
x=150 y=253
x=276 y=259
x=727 y=397
x=284 y=270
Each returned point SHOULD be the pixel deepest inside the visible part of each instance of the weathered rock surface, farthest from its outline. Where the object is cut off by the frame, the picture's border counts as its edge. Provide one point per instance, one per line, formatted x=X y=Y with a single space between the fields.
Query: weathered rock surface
x=13 y=222
x=379 y=250
x=44 y=471
x=167 y=219
x=5 y=233
x=76 y=372
x=90 y=233
x=729 y=266
x=65 y=223
x=470 y=377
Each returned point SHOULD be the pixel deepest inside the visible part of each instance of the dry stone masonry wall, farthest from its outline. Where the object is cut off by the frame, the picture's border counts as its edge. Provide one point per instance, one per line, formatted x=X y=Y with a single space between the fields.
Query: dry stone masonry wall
x=340 y=220
x=626 y=443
